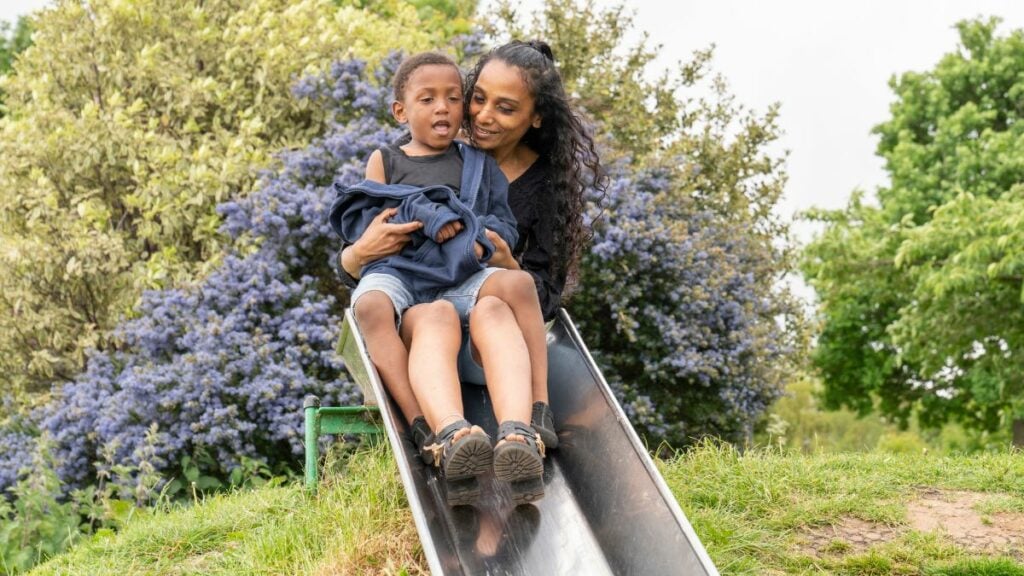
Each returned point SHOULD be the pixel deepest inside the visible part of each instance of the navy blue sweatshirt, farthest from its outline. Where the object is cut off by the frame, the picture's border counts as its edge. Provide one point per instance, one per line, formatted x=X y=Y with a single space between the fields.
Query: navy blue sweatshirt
x=424 y=265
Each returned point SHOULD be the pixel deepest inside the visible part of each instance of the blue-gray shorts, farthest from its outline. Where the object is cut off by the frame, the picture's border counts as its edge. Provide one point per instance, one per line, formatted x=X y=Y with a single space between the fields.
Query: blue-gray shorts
x=463 y=297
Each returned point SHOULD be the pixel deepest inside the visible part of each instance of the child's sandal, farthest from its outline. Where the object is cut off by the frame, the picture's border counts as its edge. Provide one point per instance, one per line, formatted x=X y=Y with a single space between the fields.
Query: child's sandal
x=461 y=461
x=521 y=464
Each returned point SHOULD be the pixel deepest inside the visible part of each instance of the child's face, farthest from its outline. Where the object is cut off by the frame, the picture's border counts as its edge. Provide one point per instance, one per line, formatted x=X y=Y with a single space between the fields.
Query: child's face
x=432 y=106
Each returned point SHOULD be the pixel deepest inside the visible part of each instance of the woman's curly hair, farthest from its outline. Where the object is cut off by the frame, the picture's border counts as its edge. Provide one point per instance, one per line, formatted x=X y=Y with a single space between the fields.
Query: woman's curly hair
x=562 y=138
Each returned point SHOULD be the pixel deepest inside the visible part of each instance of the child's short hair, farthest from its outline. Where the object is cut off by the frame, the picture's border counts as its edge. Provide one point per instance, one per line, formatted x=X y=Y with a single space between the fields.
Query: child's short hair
x=410 y=64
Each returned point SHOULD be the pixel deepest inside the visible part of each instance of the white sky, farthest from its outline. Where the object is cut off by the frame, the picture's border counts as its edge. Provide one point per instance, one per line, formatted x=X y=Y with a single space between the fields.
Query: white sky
x=827 y=63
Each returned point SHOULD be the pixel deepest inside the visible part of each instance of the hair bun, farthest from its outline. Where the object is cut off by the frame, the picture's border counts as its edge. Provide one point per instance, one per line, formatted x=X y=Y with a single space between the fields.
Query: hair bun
x=542 y=47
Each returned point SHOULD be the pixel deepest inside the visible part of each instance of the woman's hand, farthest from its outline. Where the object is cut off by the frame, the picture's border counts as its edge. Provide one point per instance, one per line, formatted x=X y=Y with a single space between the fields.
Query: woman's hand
x=502 y=257
x=380 y=239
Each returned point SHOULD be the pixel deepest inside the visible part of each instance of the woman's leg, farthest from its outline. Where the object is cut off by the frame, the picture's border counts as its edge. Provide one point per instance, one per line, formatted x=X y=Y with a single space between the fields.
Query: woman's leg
x=375 y=315
x=516 y=288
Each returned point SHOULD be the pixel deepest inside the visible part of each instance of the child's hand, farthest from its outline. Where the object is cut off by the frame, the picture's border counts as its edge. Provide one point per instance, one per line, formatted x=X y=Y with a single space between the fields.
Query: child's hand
x=478 y=249
x=448 y=231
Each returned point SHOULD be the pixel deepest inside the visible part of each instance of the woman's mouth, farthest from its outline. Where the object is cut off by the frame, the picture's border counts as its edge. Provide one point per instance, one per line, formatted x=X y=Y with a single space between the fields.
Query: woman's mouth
x=481 y=133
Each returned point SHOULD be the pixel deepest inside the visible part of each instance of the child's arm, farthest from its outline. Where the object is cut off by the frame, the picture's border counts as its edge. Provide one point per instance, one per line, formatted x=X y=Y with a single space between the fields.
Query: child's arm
x=375 y=167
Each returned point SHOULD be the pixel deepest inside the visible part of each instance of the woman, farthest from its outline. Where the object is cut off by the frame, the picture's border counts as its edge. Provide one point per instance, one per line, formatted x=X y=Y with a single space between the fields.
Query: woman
x=518 y=112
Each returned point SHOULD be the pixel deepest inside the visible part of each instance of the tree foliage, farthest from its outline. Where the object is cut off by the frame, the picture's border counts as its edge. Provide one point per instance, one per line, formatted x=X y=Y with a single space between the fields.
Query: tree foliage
x=681 y=296
x=129 y=122
x=12 y=41
x=921 y=296
x=221 y=366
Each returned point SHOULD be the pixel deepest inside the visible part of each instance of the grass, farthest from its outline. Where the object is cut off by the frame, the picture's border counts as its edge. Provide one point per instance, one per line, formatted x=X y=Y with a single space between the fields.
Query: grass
x=359 y=523
x=752 y=511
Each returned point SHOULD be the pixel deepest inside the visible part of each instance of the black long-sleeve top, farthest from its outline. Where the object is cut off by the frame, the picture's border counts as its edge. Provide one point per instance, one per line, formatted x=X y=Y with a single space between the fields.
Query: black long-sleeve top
x=533 y=203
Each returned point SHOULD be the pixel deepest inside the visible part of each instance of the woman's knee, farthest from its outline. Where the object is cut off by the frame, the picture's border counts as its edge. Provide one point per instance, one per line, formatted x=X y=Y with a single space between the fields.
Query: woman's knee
x=516 y=287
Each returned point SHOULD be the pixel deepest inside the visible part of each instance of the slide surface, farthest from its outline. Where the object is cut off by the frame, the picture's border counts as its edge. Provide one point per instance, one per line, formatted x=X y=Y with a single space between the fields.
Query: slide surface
x=606 y=509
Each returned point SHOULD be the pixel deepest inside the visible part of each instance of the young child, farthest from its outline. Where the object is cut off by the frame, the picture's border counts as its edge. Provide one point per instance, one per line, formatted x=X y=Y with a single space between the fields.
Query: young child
x=458 y=193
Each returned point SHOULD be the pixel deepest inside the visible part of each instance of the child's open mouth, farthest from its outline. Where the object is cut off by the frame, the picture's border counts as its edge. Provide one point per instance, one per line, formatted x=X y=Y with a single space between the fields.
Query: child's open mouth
x=442 y=128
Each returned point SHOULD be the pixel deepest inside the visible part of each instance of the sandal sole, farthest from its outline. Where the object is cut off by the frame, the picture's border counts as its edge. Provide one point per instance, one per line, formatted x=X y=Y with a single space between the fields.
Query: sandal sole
x=471 y=456
x=516 y=462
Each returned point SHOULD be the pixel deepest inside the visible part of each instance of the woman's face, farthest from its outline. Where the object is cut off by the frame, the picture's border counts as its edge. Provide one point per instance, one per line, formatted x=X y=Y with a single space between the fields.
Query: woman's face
x=500 y=108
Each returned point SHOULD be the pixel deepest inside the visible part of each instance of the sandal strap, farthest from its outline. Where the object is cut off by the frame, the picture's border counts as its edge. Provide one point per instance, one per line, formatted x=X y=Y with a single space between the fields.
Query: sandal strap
x=443 y=440
x=517 y=428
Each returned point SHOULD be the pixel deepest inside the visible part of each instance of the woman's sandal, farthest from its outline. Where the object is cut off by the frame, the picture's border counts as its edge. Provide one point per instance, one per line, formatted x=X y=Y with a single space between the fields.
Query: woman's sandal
x=461 y=461
x=521 y=464
x=544 y=424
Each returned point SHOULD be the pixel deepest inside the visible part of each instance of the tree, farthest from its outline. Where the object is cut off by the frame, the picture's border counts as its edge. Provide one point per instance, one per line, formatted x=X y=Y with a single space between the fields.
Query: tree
x=11 y=43
x=921 y=296
x=680 y=296
x=129 y=122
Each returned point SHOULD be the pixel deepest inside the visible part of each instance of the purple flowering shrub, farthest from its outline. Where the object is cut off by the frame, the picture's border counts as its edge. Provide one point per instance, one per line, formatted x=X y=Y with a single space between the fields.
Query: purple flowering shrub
x=222 y=366
x=670 y=305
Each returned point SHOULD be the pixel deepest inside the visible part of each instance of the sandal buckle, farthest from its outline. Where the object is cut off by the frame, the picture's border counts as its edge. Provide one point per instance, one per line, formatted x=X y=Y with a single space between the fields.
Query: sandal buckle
x=437 y=451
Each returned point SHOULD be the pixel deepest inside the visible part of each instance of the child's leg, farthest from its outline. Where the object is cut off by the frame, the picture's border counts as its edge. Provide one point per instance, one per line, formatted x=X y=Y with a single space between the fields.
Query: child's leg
x=506 y=359
x=433 y=334
x=518 y=456
x=377 y=301
x=516 y=288
x=375 y=314
x=462 y=451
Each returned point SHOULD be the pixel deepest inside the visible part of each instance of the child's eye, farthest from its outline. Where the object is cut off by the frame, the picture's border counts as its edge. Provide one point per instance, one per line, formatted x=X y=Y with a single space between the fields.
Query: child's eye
x=454 y=99
x=427 y=100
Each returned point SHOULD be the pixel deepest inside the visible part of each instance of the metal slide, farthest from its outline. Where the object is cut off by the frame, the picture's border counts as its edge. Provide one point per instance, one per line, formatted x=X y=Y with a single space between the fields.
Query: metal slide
x=606 y=509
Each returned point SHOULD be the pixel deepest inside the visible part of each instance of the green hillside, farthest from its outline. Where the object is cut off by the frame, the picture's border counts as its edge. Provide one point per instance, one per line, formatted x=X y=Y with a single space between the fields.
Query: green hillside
x=762 y=512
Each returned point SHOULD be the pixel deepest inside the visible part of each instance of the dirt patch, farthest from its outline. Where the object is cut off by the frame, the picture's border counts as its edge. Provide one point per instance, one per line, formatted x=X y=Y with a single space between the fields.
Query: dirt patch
x=850 y=535
x=954 y=513
x=950 y=513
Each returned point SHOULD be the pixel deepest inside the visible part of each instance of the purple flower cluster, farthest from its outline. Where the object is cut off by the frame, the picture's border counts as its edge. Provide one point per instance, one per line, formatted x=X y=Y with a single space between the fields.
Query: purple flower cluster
x=17 y=440
x=222 y=366
x=670 y=305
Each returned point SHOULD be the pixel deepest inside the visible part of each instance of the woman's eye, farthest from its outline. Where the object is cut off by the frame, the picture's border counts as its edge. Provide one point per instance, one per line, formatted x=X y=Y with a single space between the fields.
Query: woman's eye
x=505 y=110
x=478 y=99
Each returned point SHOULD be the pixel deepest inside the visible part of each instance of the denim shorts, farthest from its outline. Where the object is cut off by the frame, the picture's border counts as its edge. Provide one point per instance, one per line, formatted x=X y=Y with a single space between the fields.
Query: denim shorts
x=400 y=295
x=463 y=297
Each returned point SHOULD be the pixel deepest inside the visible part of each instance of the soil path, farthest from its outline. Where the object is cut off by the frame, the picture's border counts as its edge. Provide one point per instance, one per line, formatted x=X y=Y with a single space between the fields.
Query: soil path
x=954 y=514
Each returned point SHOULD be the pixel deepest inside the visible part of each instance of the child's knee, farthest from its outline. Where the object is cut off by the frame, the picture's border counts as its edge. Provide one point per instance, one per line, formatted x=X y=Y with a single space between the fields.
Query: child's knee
x=438 y=313
x=489 y=310
x=374 y=310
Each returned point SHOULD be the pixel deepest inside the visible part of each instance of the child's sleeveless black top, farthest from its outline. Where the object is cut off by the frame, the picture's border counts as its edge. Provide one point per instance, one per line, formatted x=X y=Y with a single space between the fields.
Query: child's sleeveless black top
x=444 y=168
